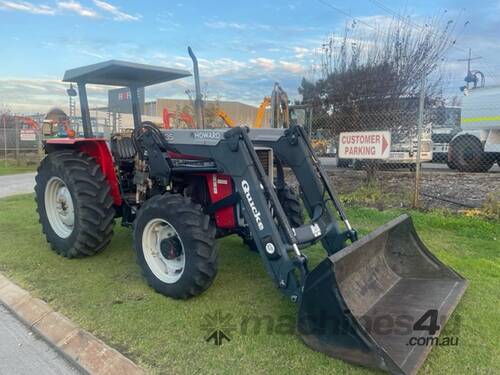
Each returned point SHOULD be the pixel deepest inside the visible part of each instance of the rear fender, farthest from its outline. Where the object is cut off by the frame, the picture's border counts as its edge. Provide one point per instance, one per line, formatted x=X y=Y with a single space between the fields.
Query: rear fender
x=99 y=150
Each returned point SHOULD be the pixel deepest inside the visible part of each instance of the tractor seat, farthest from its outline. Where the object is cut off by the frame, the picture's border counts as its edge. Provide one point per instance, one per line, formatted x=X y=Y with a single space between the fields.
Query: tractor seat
x=123 y=150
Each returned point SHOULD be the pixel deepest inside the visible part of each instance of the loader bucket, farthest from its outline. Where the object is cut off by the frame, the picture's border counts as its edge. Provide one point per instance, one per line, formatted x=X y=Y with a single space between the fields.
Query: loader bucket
x=361 y=303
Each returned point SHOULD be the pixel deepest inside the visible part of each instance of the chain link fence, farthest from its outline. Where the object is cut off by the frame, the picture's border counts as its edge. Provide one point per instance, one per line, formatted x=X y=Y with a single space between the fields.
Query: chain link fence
x=21 y=146
x=457 y=167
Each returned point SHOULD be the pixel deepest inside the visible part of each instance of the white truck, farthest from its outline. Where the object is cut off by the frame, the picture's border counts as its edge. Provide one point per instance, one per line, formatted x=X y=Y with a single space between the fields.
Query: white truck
x=477 y=147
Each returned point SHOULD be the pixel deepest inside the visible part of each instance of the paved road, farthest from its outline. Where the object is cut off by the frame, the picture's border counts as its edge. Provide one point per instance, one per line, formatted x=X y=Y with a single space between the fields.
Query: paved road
x=22 y=353
x=17 y=184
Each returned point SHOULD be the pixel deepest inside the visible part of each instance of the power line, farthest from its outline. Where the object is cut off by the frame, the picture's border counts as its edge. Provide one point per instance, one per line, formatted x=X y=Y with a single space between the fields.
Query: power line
x=405 y=20
x=328 y=4
x=394 y=13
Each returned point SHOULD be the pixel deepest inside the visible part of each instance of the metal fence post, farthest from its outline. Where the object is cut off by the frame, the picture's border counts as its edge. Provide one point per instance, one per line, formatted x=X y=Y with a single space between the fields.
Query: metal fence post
x=39 y=137
x=17 y=135
x=416 y=195
x=4 y=118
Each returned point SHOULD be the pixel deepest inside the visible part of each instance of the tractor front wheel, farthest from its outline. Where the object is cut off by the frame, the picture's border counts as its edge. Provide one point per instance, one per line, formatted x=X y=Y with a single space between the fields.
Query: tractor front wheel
x=175 y=246
x=74 y=204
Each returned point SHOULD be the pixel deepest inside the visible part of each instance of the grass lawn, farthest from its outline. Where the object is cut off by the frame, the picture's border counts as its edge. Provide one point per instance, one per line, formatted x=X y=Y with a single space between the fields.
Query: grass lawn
x=11 y=168
x=106 y=295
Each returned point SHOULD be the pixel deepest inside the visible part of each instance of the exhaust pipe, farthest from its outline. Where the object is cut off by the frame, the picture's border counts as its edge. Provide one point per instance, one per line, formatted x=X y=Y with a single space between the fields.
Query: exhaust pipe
x=198 y=102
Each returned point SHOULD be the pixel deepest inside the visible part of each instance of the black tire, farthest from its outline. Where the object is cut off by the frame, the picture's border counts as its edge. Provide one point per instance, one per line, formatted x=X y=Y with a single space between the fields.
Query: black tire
x=293 y=210
x=468 y=155
x=197 y=237
x=94 y=212
x=290 y=202
x=343 y=163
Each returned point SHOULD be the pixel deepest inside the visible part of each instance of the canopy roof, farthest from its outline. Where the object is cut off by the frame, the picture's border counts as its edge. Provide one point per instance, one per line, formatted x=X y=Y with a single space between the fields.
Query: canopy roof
x=123 y=73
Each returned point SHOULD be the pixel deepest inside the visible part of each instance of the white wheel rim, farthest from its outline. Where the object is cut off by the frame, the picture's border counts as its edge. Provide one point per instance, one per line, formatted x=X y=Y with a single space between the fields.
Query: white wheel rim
x=169 y=270
x=59 y=207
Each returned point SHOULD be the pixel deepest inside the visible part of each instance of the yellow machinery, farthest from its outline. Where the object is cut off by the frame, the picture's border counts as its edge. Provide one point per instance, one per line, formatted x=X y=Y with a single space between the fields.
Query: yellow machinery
x=281 y=116
x=278 y=101
x=258 y=119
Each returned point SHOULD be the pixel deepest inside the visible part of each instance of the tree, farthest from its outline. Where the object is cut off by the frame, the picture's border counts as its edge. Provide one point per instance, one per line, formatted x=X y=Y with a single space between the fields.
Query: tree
x=372 y=81
x=378 y=72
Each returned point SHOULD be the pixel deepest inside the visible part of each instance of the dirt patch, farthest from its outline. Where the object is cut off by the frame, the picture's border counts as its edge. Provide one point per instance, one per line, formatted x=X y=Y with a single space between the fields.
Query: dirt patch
x=439 y=189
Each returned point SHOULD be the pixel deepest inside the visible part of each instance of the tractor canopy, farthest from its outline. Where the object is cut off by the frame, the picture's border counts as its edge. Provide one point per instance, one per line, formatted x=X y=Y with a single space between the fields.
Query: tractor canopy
x=118 y=73
x=123 y=73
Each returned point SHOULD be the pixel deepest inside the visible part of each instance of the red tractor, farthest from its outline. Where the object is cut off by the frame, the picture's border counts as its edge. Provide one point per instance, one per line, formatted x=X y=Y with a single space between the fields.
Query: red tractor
x=181 y=189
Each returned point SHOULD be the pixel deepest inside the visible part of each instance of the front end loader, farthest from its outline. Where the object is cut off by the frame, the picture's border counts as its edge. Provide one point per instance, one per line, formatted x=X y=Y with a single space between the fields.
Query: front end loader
x=181 y=189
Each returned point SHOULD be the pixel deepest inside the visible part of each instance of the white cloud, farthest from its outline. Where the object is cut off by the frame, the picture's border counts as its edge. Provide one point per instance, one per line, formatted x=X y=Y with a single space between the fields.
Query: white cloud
x=226 y=78
x=118 y=15
x=72 y=6
x=24 y=6
x=225 y=25
x=292 y=67
x=236 y=25
x=263 y=62
x=76 y=7
x=300 y=52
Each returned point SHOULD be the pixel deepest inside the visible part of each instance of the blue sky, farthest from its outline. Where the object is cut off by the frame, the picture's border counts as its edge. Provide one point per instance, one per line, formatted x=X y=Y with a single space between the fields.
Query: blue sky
x=243 y=47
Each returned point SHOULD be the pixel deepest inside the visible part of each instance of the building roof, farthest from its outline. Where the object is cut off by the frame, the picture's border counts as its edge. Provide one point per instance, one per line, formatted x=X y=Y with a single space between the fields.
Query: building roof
x=123 y=73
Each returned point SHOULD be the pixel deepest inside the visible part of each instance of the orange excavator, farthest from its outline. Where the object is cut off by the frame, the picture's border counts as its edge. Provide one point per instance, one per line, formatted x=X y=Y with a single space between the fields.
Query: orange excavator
x=182 y=116
x=27 y=121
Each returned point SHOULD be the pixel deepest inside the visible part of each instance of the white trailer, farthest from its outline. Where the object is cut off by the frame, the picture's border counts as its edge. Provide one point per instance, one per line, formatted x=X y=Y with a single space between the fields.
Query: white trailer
x=477 y=147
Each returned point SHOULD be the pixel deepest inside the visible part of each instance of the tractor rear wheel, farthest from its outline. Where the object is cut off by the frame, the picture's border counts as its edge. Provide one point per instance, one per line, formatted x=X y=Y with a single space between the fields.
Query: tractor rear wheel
x=74 y=204
x=175 y=246
x=293 y=210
